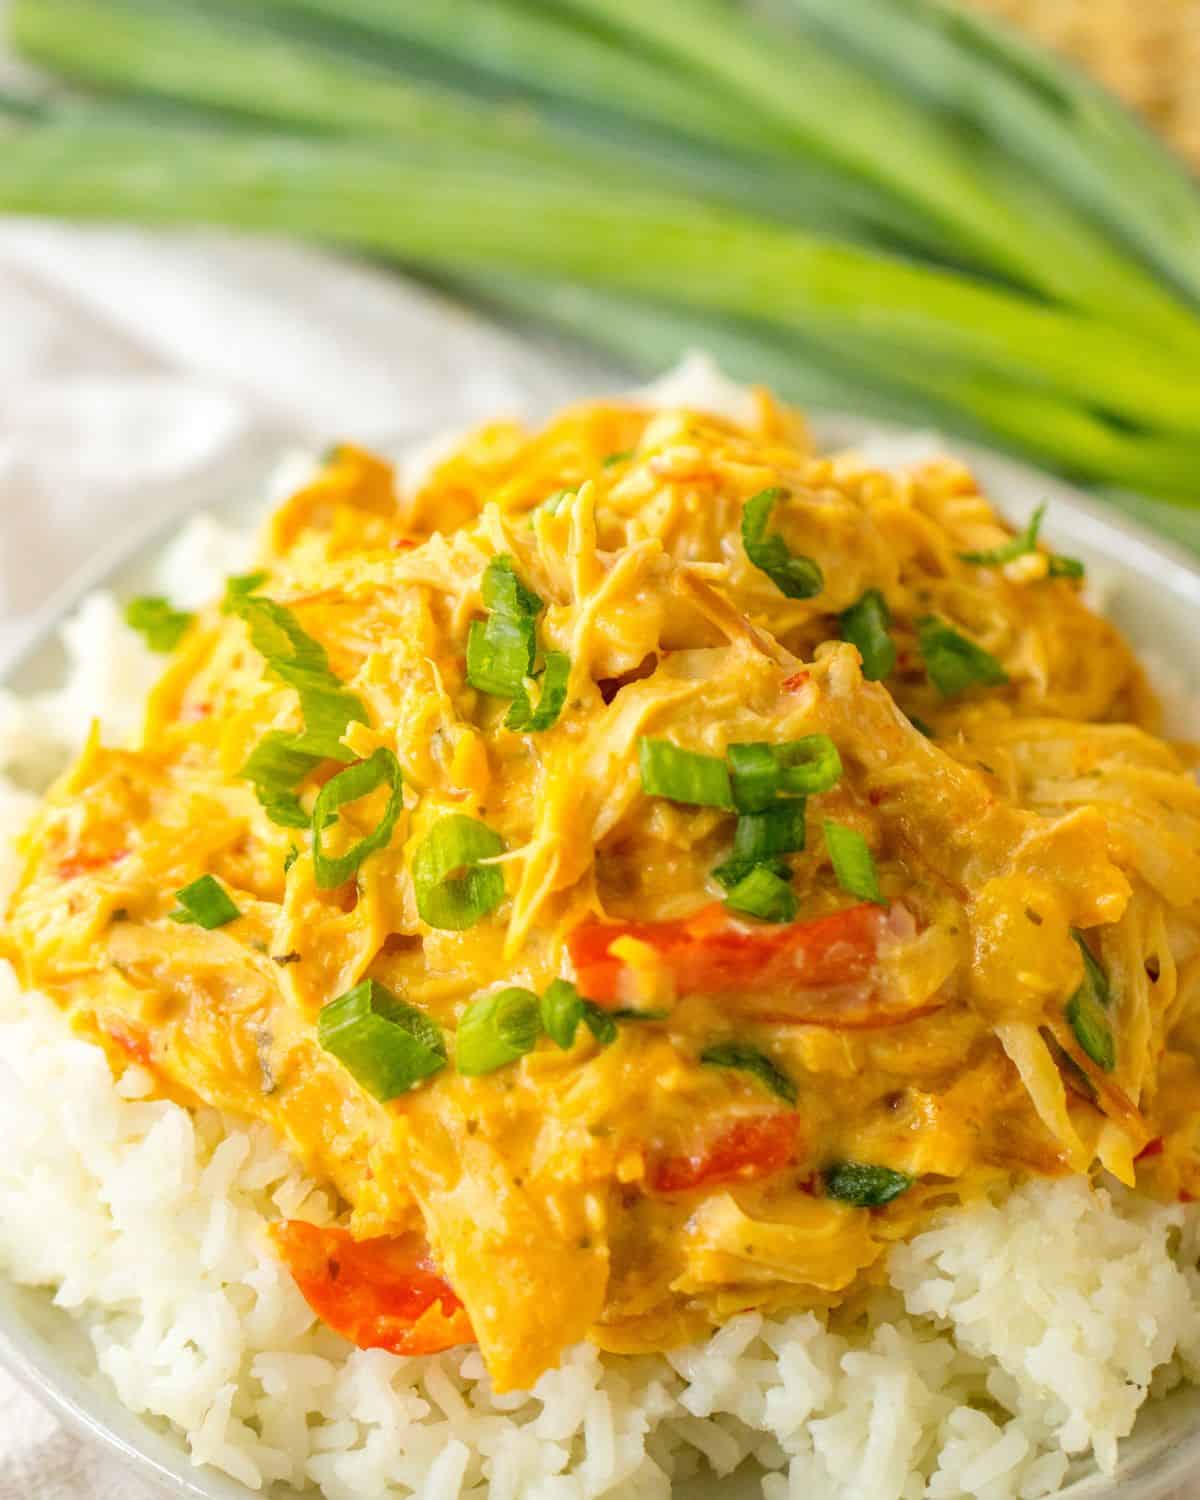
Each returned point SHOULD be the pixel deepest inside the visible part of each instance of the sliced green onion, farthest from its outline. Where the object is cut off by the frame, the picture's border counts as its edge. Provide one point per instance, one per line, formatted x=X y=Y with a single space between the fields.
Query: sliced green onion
x=275 y=769
x=865 y=625
x=621 y=457
x=554 y=678
x=732 y=871
x=239 y=586
x=803 y=767
x=864 y=1185
x=852 y=862
x=764 y=895
x=754 y=775
x=1064 y=567
x=500 y=653
x=683 y=775
x=454 y=889
x=1021 y=544
x=386 y=1044
x=497 y=1030
x=282 y=760
x=751 y=1060
x=809 y=765
x=953 y=662
x=563 y=1008
x=205 y=903
x=504 y=593
x=380 y=769
x=1086 y=1011
x=797 y=577
x=762 y=836
x=157 y=621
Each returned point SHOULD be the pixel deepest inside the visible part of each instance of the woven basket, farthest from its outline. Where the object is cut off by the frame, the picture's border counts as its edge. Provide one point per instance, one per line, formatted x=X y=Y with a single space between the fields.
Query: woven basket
x=1147 y=50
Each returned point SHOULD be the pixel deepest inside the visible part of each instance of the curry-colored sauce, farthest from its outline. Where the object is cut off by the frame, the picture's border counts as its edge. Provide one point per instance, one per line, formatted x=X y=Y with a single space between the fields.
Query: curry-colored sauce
x=630 y=1192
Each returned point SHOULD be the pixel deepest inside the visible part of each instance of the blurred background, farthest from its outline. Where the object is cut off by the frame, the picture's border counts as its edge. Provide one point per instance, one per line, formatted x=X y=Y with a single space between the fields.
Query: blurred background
x=227 y=226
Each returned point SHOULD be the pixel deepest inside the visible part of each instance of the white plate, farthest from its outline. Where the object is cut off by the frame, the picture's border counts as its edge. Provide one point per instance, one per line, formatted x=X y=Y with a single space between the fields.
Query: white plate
x=1151 y=590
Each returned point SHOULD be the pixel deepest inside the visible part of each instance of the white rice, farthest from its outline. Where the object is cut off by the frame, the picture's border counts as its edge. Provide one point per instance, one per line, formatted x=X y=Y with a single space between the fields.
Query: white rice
x=1006 y=1341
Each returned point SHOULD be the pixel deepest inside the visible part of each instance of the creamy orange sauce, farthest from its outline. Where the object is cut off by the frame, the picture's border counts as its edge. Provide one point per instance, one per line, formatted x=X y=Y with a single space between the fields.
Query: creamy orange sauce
x=627 y=1191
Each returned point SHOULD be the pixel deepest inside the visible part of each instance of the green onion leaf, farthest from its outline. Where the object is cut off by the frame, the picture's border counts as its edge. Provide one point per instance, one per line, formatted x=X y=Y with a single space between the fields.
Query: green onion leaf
x=500 y=653
x=764 y=895
x=732 y=871
x=454 y=889
x=864 y=1185
x=865 y=625
x=205 y=903
x=388 y=1045
x=797 y=577
x=1086 y=1011
x=1064 y=567
x=754 y=775
x=281 y=761
x=238 y=587
x=953 y=662
x=497 y=1030
x=563 y=1008
x=504 y=593
x=380 y=769
x=760 y=837
x=1021 y=544
x=808 y=766
x=683 y=775
x=523 y=716
x=276 y=769
x=750 y=1060
x=760 y=771
x=852 y=862
x=155 y=619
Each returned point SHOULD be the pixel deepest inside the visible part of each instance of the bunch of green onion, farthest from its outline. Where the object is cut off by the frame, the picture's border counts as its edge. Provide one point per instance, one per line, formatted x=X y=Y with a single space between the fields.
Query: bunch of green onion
x=889 y=206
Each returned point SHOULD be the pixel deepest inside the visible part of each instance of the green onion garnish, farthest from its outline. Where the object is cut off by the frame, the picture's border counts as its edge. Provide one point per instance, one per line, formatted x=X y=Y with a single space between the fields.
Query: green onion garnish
x=1023 y=543
x=454 y=889
x=500 y=654
x=504 y=593
x=380 y=769
x=497 y=1030
x=1018 y=546
x=764 y=895
x=522 y=715
x=750 y=1060
x=953 y=662
x=388 y=1045
x=761 y=836
x=1064 y=567
x=239 y=586
x=865 y=625
x=732 y=871
x=683 y=775
x=205 y=903
x=563 y=1008
x=1086 y=1011
x=803 y=767
x=282 y=760
x=864 y=1185
x=617 y=458
x=158 y=622
x=797 y=577
x=852 y=862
